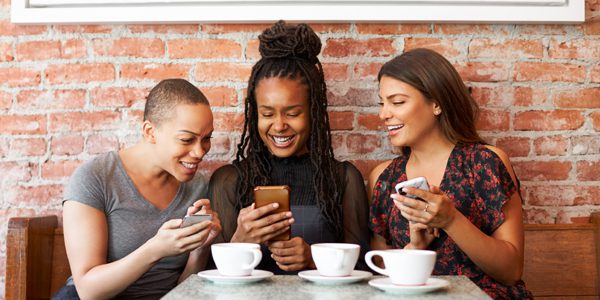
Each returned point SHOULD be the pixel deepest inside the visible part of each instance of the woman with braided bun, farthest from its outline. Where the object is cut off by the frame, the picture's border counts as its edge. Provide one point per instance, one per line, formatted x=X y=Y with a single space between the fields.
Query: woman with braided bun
x=286 y=140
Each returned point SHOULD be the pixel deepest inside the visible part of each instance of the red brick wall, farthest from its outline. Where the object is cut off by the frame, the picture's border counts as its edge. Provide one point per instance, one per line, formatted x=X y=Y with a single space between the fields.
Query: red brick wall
x=68 y=93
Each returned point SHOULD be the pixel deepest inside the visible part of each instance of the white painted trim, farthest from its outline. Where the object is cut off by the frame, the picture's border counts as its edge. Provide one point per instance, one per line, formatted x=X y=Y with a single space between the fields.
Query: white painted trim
x=251 y=11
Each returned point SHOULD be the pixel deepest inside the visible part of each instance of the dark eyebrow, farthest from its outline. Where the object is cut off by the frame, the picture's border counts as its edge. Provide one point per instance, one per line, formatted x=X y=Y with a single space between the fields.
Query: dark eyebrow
x=397 y=95
x=187 y=131
x=193 y=133
x=285 y=108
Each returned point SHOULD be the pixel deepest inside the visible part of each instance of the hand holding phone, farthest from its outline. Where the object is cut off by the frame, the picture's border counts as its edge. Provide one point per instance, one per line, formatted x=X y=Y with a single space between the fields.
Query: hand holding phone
x=265 y=195
x=195 y=219
x=418 y=182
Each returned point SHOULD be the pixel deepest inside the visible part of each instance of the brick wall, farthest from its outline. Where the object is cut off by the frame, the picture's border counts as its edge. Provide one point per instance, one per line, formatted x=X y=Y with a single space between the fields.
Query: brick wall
x=68 y=93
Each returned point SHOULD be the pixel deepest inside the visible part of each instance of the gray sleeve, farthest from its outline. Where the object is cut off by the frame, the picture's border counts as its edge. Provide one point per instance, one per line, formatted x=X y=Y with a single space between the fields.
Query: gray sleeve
x=86 y=186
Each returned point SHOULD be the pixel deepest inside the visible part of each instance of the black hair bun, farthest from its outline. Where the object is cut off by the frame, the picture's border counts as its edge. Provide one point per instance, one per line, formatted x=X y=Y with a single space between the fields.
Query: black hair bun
x=290 y=41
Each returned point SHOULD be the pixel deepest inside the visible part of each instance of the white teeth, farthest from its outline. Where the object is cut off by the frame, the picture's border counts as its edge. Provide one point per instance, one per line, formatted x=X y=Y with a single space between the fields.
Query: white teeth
x=188 y=165
x=282 y=140
x=394 y=127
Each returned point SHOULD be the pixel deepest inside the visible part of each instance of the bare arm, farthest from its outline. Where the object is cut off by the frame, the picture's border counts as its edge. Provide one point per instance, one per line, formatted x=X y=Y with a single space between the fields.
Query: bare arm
x=86 y=241
x=501 y=254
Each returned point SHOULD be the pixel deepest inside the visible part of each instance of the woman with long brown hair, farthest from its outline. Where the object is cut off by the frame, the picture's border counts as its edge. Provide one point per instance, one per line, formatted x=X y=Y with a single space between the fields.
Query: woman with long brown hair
x=471 y=215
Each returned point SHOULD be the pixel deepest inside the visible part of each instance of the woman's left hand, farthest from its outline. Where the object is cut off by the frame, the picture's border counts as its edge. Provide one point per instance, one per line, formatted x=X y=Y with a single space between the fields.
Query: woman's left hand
x=202 y=206
x=436 y=210
x=292 y=255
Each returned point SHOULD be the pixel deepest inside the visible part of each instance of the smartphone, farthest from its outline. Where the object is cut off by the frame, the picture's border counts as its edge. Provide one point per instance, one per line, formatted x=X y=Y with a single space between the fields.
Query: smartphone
x=195 y=219
x=265 y=195
x=418 y=182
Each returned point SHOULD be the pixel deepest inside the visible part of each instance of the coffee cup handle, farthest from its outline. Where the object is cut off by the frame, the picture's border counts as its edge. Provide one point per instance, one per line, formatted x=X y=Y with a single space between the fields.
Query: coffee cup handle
x=257 y=257
x=369 y=261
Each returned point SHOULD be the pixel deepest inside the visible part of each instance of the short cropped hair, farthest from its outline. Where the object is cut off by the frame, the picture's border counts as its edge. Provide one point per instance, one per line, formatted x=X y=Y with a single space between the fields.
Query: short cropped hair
x=166 y=95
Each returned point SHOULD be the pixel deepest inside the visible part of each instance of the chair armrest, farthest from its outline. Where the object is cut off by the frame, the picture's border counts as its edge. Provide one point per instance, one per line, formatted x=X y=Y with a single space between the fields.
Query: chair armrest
x=29 y=248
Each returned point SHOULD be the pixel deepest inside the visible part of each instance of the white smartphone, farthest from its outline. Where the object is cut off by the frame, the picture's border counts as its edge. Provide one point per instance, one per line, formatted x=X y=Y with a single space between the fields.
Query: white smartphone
x=195 y=219
x=419 y=182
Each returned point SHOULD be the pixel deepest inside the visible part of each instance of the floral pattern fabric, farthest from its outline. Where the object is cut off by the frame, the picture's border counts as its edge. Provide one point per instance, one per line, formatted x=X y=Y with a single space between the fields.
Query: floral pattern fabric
x=479 y=184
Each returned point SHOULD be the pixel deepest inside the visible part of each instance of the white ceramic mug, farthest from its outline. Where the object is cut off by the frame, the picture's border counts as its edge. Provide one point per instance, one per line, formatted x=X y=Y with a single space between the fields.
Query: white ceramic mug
x=236 y=259
x=404 y=266
x=335 y=259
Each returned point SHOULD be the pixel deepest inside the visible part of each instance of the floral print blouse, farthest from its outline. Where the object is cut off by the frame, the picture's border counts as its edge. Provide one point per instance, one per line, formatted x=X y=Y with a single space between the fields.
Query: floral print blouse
x=479 y=184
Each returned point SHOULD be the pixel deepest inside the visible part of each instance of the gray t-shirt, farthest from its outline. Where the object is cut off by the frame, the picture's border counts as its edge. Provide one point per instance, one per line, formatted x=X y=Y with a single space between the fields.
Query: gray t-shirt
x=102 y=183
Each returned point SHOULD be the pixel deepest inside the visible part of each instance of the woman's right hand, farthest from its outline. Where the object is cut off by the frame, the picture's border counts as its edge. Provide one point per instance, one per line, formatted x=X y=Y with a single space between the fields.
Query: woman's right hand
x=258 y=225
x=172 y=240
x=421 y=235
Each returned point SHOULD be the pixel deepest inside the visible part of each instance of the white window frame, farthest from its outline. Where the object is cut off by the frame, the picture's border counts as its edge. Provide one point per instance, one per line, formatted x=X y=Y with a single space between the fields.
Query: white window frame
x=253 y=11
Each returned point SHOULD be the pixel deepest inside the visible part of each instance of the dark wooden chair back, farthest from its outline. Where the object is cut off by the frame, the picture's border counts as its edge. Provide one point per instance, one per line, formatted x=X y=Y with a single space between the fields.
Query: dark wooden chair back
x=36 y=260
x=561 y=260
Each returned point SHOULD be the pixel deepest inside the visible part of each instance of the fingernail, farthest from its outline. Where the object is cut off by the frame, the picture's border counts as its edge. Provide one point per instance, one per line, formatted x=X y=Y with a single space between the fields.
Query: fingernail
x=288 y=214
x=275 y=205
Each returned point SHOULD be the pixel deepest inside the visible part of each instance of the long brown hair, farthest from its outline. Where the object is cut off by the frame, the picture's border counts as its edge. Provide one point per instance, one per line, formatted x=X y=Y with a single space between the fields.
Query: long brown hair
x=434 y=76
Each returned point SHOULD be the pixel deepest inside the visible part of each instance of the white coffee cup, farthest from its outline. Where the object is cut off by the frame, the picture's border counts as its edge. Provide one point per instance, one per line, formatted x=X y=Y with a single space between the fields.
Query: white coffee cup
x=335 y=259
x=404 y=266
x=236 y=259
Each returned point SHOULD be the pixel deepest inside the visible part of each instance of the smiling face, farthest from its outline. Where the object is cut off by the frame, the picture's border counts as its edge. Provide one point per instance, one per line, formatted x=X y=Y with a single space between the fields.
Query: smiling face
x=408 y=116
x=283 y=115
x=182 y=139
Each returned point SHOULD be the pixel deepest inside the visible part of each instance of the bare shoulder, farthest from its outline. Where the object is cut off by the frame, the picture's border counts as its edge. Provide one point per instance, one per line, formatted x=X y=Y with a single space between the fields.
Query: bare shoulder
x=505 y=160
x=378 y=170
x=503 y=156
x=374 y=175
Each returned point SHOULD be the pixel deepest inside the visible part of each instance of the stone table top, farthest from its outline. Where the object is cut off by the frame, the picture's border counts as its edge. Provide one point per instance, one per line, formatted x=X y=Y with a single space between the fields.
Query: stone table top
x=282 y=287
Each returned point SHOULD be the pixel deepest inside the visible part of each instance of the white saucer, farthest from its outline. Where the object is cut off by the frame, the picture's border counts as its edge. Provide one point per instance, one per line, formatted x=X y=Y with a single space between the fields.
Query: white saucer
x=216 y=277
x=386 y=284
x=314 y=276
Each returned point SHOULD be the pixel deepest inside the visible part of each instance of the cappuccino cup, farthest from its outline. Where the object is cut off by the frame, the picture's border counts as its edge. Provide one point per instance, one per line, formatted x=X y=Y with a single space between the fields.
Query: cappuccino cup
x=236 y=259
x=404 y=266
x=335 y=259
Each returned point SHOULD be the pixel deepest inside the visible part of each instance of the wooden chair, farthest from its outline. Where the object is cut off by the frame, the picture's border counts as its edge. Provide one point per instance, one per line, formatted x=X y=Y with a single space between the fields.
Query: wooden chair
x=562 y=260
x=36 y=260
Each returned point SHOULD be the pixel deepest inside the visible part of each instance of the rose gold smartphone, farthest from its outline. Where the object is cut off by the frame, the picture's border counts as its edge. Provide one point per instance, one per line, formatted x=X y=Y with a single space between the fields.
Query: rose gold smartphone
x=265 y=195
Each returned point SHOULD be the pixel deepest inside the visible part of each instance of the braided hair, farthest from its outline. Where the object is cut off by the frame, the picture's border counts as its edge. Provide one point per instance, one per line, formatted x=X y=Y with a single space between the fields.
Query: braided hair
x=290 y=52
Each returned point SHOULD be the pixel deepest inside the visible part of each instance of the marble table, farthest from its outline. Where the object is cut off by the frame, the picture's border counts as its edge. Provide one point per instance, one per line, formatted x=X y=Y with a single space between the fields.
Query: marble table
x=282 y=287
